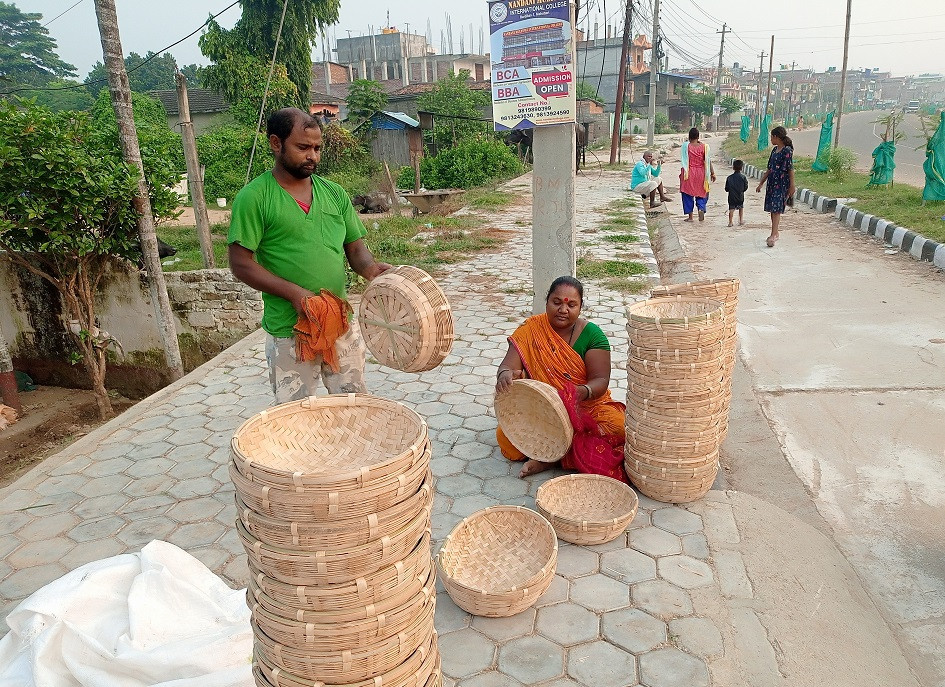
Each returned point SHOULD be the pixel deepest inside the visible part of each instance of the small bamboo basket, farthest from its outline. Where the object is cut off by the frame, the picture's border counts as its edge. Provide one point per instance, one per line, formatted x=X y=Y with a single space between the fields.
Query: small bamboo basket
x=533 y=417
x=587 y=509
x=406 y=320
x=498 y=561
x=671 y=491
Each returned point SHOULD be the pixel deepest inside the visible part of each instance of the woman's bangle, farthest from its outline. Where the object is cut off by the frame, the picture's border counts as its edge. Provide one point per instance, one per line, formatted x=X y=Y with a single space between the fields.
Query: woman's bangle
x=590 y=393
x=501 y=370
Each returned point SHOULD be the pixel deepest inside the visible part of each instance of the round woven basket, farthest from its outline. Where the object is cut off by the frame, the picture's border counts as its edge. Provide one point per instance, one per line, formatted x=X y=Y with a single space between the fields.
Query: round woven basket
x=675 y=474
x=649 y=433
x=405 y=320
x=695 y=389
x=534 y=419
x=667 y=491
x=417 y=670
x=680 y=355
x=498 y=561
x=680 y=448
x=723 y=289
x=393 y=580
x=333 y=443
x=674 y=409
x=333 y=533
x=362 y=662
x=335 y=565
x=659 y=421
x=675 y=315
x=302 y=505
x=303 y=632
x=704 y=369
x=587 y=509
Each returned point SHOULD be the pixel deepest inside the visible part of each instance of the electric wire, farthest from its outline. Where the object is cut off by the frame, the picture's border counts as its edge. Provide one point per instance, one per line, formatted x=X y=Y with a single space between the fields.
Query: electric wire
x=71 y=7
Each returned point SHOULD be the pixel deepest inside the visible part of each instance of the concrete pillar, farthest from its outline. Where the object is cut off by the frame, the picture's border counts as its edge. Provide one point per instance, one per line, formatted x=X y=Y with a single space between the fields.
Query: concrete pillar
x=553 y=237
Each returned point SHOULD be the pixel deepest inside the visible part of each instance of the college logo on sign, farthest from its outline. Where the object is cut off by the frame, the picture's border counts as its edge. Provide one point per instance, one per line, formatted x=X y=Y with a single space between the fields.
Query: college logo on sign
x=498 y=12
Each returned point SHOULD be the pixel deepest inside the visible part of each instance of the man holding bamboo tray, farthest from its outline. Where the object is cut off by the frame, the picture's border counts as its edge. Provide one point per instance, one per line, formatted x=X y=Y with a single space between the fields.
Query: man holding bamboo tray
x=290 y=234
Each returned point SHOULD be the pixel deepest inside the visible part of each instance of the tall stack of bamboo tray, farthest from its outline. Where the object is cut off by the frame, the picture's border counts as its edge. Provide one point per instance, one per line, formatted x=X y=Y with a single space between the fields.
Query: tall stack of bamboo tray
x=724 y=290
x=678 y=396
x=334 y=497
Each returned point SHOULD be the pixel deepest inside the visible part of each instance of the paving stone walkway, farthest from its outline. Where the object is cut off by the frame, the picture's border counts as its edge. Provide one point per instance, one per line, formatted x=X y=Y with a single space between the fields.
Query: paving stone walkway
x=619 y=614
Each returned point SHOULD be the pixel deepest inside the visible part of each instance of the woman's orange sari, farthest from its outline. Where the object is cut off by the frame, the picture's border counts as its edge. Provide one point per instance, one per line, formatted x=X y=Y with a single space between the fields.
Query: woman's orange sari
x=599 y=432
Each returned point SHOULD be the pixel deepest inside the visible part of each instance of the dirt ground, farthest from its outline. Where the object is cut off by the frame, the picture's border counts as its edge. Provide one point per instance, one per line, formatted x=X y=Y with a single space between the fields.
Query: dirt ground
x=53 y=418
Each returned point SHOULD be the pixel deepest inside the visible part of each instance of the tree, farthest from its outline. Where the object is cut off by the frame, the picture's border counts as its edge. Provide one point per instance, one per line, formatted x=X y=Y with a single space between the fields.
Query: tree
x=585 y=91
x=224 y=151
x=451 y=95
x=68 y=95
x=27 y=54
x=148 y=73
x=66 y=213
x=365 y=97
x=701 y=101
x=193 y=72
x=730 y=104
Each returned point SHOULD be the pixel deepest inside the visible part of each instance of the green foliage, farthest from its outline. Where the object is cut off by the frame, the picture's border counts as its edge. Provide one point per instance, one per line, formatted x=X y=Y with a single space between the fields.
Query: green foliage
x=592 y=268
x=701 y=101
x=194 y=74
x=365 y=97
x=224 y=151
x=27 y=54
x=72 y=96
x=189 y=256
x=451 y=95
x=662 y=124
x=730 y=104
x=586 y=91
x=343 y=152
x=353 y=182
x=154 y=75
x=241 y=76
x=162 y=152
x=842 y=161
x=471 y=163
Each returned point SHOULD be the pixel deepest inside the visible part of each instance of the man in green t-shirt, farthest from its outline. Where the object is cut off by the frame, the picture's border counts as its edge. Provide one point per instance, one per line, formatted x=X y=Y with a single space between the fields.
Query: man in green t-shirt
x=290 y=234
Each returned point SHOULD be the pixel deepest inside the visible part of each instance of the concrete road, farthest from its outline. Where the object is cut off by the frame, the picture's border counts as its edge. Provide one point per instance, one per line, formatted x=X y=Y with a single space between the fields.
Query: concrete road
x=857 y=132
x=845 y=351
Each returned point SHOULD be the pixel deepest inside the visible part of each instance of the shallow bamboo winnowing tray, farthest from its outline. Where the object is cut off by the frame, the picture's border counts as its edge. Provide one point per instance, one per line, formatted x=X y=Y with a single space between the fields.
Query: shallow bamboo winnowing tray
x=406 y=320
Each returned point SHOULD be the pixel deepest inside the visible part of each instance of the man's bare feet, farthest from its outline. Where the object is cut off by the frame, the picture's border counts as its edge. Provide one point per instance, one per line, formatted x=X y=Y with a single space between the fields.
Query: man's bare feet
x=730 y=224
x=702 y=215
x=688 y=219
x=741 y=223
x=533 y=467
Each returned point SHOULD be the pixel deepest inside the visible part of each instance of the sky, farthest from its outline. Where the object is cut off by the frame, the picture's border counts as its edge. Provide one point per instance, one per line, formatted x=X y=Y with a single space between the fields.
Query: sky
x=808 y=32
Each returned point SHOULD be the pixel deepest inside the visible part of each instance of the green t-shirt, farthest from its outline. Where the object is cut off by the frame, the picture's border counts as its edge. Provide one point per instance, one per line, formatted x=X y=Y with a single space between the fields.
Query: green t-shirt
x=591 y=337
x=305 y=249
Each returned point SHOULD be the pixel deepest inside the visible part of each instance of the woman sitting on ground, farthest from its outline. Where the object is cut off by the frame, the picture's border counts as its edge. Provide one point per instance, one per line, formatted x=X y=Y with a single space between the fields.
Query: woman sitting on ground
x=562 y=349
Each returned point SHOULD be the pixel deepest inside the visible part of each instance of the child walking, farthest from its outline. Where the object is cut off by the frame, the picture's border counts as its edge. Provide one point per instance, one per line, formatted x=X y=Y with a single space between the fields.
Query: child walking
x=736 y=185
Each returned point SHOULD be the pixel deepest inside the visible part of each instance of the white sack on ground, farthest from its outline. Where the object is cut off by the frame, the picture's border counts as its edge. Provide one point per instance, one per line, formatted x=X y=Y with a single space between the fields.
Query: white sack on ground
x=158 y=618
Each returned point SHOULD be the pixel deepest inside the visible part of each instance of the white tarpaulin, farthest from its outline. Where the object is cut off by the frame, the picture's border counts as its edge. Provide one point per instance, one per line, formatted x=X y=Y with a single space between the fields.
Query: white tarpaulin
x=158 y=618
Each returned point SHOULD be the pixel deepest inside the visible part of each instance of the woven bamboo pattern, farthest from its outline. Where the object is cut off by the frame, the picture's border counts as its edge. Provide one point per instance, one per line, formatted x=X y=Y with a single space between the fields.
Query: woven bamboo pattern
x=331 y=443
x=679 y=355
x=533 y=417
x=671 y=491
x=406 y=320
x=353 y=597
x=587 y=509
x=498 y=561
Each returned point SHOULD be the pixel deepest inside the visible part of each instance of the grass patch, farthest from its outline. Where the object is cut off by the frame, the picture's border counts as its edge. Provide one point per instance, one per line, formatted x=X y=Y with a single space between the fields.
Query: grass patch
x=623 y=204
x=901 y=204
x=621 y=220
x=591 y=268
x=185 y=240
x=487 y=199
x=632 y=286
x=622 y=238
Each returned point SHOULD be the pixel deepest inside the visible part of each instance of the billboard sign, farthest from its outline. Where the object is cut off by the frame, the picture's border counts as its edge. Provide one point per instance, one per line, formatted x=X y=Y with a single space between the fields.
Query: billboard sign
x=533 y=80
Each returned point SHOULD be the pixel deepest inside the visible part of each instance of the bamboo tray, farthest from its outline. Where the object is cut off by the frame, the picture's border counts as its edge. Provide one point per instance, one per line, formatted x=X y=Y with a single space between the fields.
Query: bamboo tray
x=533 y=417
x=669 y=491
x=406 y=320
x=498 y=561
x=587 y=509
x=675 y=314
x=332 y=443
x=391 y=581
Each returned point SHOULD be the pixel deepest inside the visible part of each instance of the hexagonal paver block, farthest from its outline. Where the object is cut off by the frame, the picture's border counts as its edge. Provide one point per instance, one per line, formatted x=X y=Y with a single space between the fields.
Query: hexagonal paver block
x=600 y=664
x=444 y=465
x=600 y=593
x=633 y=630
x=22 y=583
x=195 y=510
x=685 y=571
x=575 y=561
x=61 y=484
x=671 y=668
x=48 y=527
x=444 y=421
x=38 y=553
x=196 y=534
x=182 y=423
x=140 y=532
x=479 y=422
x=490 y=679
x=677 y=521
x=504 y=488
x=444 y=524
x=144 y=453
x=628 y=566
x=86 y=552
x=567 y=624
x=188 y=457
x=100 y=506
x=655 y=542
x=465 y=653
x=104 y=485
x=531 y=659
x=186 y=437
x=467 y=505
x=696 y=545
x=150 y=485
x=459 y=485
x=556 y=593
x=104 y=468
x=199 y=486
x=661 y=599
x=489 y=467
x=449 y=617
x=96 y=529
x=561 y=682
x=151 y=436
x=698 y=636
x=504 y=629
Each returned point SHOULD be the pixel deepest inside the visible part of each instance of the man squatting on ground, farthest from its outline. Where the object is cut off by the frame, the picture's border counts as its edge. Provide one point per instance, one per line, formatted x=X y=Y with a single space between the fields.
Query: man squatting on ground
x=643 y=179
x=290 y=233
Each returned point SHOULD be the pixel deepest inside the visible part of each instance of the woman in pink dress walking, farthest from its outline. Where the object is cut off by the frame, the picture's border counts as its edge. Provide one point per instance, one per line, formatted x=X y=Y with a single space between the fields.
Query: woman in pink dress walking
x=693 y=184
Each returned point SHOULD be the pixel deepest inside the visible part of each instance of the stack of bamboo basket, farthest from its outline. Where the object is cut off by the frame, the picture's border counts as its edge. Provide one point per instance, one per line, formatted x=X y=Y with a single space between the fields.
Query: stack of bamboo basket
x=678 y=395
x=334 y=497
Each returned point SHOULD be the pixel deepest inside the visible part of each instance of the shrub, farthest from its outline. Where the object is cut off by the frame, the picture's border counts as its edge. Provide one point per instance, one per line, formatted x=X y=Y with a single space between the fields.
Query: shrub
x=842 y=161
x=224 y=151
x=342 y=152
x=472 y=163
x=662 y=124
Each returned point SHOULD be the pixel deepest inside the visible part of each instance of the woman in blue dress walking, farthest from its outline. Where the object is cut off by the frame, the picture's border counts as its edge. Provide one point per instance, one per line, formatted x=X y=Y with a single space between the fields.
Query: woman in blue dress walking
x=780 y=178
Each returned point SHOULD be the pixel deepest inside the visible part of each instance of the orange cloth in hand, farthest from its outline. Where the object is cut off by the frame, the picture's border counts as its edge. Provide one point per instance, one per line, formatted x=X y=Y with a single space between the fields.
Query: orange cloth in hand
x=324 y=318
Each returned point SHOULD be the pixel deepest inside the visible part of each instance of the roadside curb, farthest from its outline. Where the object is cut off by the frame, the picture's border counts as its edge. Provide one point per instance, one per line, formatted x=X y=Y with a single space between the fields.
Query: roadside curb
x=645 y=246
x=906 y=240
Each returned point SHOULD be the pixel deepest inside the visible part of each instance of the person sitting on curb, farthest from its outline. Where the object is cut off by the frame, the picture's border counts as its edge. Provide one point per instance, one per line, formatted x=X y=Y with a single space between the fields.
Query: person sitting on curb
x=643 y=182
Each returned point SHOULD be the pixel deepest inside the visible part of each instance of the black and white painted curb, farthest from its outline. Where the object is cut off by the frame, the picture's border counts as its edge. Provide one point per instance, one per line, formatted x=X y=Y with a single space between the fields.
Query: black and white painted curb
x=644 y=247
x=904 y=239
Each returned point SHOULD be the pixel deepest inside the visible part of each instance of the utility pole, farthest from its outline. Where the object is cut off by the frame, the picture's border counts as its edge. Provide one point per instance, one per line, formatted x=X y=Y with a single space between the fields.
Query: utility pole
x=790 y=109
x=761 y=72
x=194 y=177
x=718 y=78
x=843 y=76
x=128 y=135
x=621 y=82
x=654 y=66
x=770 y=67
x=406 y=75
